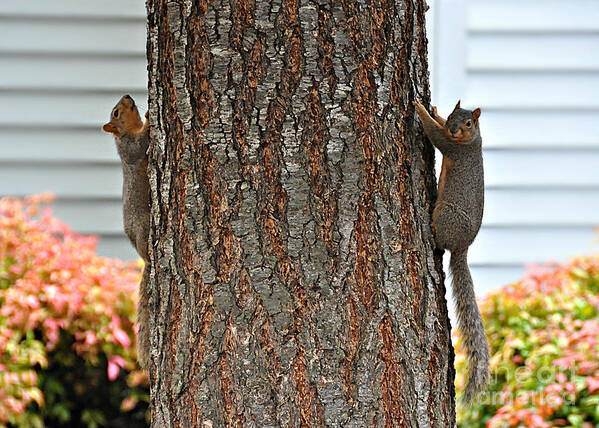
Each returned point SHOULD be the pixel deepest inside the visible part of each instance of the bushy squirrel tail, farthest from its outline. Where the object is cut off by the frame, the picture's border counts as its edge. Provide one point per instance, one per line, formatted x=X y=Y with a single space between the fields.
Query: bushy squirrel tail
x=143 y=318
x=472 y=331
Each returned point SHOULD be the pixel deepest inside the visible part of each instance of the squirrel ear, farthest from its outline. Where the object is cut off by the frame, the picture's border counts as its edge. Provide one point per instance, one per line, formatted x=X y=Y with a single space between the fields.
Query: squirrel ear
x=476 y=114
x=457 y=106
x=110 y=128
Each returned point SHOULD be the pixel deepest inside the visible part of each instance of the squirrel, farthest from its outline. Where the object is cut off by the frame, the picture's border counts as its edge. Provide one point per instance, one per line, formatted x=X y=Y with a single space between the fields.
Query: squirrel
x=457 y=217
x=132 y=139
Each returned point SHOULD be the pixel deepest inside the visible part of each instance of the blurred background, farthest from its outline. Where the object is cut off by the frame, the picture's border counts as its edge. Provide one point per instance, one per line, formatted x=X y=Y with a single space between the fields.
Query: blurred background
x=532 y=66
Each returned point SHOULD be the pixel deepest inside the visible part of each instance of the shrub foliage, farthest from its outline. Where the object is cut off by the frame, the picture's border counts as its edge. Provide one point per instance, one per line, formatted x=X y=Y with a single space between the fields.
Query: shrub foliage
x=67 y=336
x=544 y=338
x=67 y=355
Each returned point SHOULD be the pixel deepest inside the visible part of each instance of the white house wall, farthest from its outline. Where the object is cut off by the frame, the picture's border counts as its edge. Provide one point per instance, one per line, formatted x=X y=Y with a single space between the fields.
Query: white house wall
x=63 y=66
x=533 y=67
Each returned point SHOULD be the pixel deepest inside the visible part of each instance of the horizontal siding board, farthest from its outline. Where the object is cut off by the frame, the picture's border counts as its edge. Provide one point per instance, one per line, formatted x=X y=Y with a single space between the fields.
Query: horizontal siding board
x=67 y=72
x=116 y=247
x=89 y=216
x=542 y=168
x=114 y=9
x=520 y=245
x=532 y=68
x=57 y=144
x=491 y=278
x=22 y=35
x=534 y=128
x=533 y=15
x=61 y=108
x=540 y=52
x=548 y=207
x=488 y=279
x=72 y=180
x=64 y=65
x=529 y=89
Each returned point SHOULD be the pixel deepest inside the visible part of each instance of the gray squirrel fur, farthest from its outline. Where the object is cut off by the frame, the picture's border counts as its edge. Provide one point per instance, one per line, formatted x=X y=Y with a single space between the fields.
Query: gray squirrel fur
x=456 y=220
x=132 y=140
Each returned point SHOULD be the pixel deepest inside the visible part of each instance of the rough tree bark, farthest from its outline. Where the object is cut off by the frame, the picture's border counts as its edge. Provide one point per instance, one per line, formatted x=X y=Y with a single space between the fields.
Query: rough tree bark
x=294 y=278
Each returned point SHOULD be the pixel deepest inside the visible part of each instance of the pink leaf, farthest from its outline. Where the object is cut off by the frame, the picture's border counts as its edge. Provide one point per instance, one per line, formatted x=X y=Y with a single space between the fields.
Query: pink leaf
x=592 y=384
x=113 y=370
x=114 y=363
x=118 y=360
x=128 y=404
x=90 y=338
x=122 y=337
x=565 y=362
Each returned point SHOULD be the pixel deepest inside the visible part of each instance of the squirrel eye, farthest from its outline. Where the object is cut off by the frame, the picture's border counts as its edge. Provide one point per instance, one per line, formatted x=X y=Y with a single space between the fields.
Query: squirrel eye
x=468 y=123
x=116 y=113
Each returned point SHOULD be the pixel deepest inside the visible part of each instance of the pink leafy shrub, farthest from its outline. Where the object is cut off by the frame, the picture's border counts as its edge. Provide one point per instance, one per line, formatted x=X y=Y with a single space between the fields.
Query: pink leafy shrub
x=53 y=284
x=544 y=337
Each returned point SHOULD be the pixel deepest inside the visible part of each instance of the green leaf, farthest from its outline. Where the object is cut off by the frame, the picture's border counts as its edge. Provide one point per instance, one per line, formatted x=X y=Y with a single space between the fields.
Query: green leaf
x=93 y=418
x=575 y=420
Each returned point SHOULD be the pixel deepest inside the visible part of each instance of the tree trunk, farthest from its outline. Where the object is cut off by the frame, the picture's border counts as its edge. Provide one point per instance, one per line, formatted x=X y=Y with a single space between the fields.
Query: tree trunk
x=294 y=278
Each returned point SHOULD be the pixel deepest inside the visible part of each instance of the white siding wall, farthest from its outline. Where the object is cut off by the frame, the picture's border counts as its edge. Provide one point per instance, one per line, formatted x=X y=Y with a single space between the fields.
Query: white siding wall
x=532 y=65
x=63 y=66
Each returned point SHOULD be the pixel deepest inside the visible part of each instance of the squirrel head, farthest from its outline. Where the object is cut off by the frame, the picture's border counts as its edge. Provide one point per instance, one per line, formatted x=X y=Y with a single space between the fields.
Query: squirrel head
x=462 y=124
x=124 y=118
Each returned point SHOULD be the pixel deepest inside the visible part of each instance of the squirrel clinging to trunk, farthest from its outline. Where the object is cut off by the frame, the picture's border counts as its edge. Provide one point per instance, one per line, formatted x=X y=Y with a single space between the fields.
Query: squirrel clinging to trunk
x=456 y=220
x=132 y=139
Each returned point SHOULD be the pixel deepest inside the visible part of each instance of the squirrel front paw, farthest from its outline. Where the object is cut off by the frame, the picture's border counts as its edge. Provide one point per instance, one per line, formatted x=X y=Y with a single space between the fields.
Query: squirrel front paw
x=419 y=108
